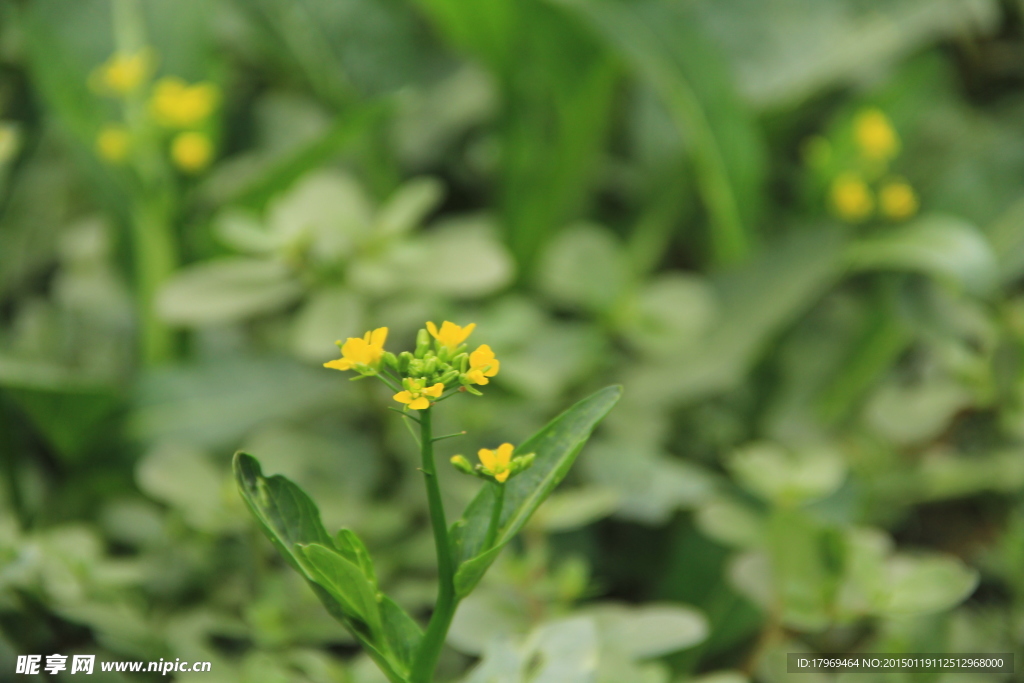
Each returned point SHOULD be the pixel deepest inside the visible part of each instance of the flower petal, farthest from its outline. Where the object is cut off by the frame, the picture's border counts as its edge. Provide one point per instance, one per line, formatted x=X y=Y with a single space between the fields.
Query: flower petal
x=378 y=337
x=435 y=390
x=403 y=397
x=432 y=329
x=420 y=404
x=504 y=453
x=487 y=458
x=339 y=364
x=502 y=476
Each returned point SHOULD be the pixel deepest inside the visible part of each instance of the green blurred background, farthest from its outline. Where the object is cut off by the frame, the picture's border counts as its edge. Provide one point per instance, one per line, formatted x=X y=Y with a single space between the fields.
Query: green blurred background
x=792 y=229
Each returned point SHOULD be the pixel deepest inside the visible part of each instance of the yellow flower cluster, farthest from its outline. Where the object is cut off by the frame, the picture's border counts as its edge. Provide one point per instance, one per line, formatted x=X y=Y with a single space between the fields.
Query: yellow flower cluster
x=172 y=104
x=865 y=187
x=440 y=361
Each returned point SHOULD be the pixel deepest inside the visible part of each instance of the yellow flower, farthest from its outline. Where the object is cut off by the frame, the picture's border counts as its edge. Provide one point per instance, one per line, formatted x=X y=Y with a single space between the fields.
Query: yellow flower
x=113 y=143
x=122 y=73
x=898 y=200
x=176 y=104
x=191 y=151
x=450 y=334
x=875 y=135
x=415 y=397
x=482 y=364
x=851 y=197
x=364 y=354
x=497 y=463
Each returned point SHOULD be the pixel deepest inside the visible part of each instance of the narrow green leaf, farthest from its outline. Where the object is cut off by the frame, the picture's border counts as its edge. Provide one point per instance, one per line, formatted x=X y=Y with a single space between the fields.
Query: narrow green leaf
x=345 y=581
x=556 y=447
x=660 y=42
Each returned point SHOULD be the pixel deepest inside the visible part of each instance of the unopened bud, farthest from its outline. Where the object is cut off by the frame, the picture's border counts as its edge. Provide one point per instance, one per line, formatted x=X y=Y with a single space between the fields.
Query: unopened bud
x=461 y=361
x=422 y=343
x=462 y=465
x=449 y=377
x=416 y=368
x=403 y=362
x=390 y=360
x=430 y=365
x=522 y=462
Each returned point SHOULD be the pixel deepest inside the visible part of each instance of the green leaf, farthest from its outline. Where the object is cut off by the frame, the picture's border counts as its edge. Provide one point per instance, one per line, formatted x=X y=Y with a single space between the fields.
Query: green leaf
x=345 y=581
x=556 y=447
x=291 y=520
x=941 y=246
x=226 y=290
x=402 y=633
x=351 y=546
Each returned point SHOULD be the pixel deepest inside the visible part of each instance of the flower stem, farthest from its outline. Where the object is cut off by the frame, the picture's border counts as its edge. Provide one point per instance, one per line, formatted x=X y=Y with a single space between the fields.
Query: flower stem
x=492 y=528
x=433 y=639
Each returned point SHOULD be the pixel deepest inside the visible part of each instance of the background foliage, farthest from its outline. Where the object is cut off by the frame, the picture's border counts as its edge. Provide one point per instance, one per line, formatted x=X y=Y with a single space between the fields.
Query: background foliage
x=821 y=442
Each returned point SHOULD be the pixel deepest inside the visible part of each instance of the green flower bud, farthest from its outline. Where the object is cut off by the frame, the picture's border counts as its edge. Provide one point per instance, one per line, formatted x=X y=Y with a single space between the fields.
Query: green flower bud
x=416 y=367
x=461 y=361
x=390 y=360
x=462 y=465
x=430 y=365
x=422 y=343
x=522 y=462
x=449 y=377
x=403 y=362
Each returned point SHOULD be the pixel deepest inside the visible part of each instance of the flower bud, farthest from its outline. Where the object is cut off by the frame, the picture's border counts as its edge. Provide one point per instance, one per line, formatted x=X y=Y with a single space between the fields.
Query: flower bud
x=422 y=343
x=522 y=462
x=430 y=365
x=449 y=377
x=416 y=367
x=461 y=362
x=403 y=362
x=390 y=360
x=462 y=465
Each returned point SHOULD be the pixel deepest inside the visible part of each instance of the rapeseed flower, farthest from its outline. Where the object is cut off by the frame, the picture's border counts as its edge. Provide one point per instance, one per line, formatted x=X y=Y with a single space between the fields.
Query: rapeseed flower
x=450 y=335
x=851 y=197
x=176 y=104
x=361 y=354
x=416 y=396
x=123 y=72
x=482 y=364
x=876 y=138
x=191 y=151
x=897 y=200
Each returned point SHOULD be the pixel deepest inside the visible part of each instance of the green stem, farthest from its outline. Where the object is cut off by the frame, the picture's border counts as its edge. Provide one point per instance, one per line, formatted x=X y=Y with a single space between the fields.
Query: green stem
x=433 y=639
x=492 y=528
x=156 y=257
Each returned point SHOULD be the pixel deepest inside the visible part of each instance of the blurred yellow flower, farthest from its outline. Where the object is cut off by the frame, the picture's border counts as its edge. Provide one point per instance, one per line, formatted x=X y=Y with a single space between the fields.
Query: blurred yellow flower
x=176 y=104
x=123 y=72
x=875 y=136
x=851 y=198
x=191 y=152
x=482 y=364
x=114 y=143
x=450 y=335
x=415 y=397
x=366 y=351
x=898 y=200
x=497 y=463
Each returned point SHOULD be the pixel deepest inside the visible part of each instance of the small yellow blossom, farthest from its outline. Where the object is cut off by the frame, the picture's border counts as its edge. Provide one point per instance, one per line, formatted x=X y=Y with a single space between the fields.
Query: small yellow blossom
x=450 y=335
x=482 y=364
x=122 y=73
x=364 y=354
x=191 y=151
x=898 y=200
x=9 y=141
x=114 y=143
x=497 y=463
x=851 y=197
x=415 y=397
x=176 y=104
x=876 y=137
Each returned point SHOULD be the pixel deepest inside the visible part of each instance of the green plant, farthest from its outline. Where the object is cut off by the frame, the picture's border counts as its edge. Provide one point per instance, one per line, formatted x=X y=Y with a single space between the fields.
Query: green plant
x=340 y=569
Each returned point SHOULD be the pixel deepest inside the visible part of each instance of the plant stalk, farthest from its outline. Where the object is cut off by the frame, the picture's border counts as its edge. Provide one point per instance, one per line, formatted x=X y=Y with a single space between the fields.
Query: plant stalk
x=492 y=528
x=433 y=639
